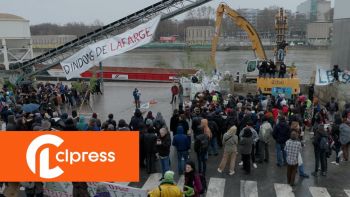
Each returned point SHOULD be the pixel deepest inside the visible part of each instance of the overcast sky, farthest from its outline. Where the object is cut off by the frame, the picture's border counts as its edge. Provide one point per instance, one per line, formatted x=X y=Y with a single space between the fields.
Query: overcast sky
x=107 y=11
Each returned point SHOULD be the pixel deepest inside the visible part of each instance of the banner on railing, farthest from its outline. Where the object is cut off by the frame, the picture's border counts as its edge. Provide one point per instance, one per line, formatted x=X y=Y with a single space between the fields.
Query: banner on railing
x=91 y=55
x=325 y=77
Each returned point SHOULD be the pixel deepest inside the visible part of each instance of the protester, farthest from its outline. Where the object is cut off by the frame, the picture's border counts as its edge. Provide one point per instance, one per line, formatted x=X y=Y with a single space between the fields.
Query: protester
x=332 y=108
x=122 y=126
x=167 y=187
x=293 y=149
x=174 y=92
x=321 y=145
x=201 y=146
x=336 y=138
x=282 y=71
x=192 y=181
x=136 y=94
x=163 y=149
x=136 y=121
x=245 y=148
x=281 y=134
x=174 y=121
x=150 y=149
x=230 y=141
x=111 y=121
x=265 y=133
x=344 y=137
x=182 y=145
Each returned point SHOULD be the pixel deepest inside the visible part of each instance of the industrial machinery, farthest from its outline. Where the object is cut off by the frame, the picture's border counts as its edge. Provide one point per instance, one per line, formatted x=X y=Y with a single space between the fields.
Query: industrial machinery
x=289 y=85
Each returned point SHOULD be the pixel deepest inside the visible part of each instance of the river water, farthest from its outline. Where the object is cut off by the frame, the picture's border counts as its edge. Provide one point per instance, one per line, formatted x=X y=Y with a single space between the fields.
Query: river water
x=233 y=61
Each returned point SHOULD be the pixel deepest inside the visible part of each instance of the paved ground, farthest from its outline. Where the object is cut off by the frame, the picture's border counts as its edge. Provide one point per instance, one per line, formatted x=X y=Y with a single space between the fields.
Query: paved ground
x=118 y=100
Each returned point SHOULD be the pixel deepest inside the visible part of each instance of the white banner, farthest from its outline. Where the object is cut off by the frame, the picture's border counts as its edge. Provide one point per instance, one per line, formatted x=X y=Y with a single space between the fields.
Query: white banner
x=65 y=189
x=325 y=77
x=91 y=55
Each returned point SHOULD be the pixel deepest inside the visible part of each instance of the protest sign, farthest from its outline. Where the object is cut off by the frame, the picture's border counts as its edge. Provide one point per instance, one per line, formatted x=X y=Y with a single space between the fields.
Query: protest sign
x=325 y=77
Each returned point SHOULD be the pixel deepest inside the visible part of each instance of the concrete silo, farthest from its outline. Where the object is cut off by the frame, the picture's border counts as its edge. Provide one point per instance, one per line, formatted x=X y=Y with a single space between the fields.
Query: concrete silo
x=15 y=40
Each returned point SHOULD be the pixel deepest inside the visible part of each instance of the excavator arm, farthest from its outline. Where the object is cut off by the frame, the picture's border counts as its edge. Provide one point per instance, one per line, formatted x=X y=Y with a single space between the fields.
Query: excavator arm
x=241 y=22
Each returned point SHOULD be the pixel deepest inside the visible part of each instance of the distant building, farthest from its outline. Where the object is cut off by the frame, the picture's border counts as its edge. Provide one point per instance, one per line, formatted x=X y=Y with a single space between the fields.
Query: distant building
x=315 y=10
x=199 y=34
x=250 y=14
x=51 y=41
x=319 y=34
x=323 y=8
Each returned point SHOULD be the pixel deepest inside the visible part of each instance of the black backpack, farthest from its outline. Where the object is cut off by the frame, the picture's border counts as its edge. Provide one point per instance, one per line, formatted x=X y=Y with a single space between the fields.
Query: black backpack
x=324 y=144
x=202 y=143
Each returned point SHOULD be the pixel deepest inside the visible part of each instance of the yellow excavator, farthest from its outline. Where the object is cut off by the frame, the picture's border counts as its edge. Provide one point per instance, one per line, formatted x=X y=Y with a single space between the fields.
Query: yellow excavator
x=288 y=86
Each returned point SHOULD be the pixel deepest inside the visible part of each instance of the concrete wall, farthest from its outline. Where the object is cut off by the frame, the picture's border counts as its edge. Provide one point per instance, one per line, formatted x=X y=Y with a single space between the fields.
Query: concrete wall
x=340 y=53
x=341 y=43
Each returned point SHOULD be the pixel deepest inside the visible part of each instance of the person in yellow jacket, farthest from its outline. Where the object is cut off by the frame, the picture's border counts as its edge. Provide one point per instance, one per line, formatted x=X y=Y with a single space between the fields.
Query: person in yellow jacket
x=167 y=187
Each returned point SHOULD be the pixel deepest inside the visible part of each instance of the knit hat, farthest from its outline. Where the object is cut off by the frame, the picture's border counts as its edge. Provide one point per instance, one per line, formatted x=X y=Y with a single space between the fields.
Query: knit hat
x=168 y=177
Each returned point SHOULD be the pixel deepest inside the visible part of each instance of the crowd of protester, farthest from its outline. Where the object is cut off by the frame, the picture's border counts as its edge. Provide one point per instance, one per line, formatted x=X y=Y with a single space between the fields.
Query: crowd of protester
x=242 y=127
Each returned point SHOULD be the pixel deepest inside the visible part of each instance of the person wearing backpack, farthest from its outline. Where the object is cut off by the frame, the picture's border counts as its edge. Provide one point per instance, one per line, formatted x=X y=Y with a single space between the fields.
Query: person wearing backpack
x=230 y=141
x=201 y=145
x=192 y=180
x=321 y=147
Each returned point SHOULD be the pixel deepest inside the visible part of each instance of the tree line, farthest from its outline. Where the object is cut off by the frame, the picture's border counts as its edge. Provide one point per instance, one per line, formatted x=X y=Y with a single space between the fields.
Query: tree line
x=202 y=16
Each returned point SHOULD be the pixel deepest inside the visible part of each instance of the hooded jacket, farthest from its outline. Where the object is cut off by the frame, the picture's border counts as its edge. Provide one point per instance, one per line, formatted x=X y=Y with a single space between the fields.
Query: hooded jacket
x=230 y=140
x=11 y=123
x=181 y=141
x=82 y=125
x=344 y=135
x=281 y=132
x=136 y=121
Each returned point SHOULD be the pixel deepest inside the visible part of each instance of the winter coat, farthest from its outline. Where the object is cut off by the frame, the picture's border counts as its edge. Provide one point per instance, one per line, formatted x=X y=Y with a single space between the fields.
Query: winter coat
x=166 y=190
x=136 y=121
x=11 y=124
x=255 y=136
x=265 y=132
x=82 y=125
x=159 y=121
x=319 y=133
x=344 y=135
x=230 y=141
x=181 y=141
x=193 y=180
x=281 y=132
x=149 y=145
x=164 y=147
x=174 y=120
x=245 y=145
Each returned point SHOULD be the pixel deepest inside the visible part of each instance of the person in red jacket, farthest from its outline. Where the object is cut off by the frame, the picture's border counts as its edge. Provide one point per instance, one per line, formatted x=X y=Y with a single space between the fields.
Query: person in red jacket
x=174 y=91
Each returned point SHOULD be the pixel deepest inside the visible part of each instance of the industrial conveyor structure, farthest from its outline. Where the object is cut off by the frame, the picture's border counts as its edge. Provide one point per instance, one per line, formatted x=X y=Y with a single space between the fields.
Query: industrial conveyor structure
x=168 y=9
